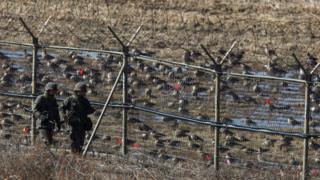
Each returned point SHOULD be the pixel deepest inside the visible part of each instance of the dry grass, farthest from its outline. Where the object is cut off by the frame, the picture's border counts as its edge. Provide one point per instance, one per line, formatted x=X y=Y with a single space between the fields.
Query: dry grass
x=40 y=163
x=169 y=26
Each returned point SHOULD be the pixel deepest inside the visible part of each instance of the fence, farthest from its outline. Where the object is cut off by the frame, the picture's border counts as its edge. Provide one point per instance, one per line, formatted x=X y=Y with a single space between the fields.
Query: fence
x=202 y=96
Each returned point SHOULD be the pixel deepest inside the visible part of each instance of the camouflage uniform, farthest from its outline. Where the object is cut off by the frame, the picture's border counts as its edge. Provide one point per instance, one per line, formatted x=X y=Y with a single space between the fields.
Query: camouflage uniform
x=76 y=109
x=46 y=114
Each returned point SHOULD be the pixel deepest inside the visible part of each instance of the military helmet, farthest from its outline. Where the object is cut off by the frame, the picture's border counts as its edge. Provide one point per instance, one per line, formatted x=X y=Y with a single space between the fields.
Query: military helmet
x=51 y=86
x=80 y=86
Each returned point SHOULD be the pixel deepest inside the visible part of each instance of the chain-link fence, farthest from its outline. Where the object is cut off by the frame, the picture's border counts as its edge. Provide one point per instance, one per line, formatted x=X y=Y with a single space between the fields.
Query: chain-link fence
x=171 y=111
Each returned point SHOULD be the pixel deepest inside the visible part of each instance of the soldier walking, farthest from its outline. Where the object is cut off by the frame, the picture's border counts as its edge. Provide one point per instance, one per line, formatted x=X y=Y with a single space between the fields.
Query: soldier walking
x=76 y=109
x=46 y=113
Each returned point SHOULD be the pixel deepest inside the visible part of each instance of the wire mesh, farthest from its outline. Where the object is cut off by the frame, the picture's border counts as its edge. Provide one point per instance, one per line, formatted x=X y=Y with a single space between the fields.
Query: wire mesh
x=169 y=139
x=98 y=70
x=108 y=136
x=173 y=89
x=264 y=103
x=15 y=122
x=15 y=69
x=181 y=91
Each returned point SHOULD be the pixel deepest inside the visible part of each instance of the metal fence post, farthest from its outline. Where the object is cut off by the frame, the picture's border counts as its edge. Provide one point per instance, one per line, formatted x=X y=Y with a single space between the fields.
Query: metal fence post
x=35 y=46
x=34 y=84
x=217 y=117
x=306 y=129
x=125 y=50
x=218 y=73
x=308 y=81
x=124 y=101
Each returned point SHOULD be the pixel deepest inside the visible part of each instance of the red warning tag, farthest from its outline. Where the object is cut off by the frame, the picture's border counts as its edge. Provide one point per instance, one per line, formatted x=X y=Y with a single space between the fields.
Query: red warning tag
x=118 y=141
x=267 y=101
x=26 y=131
x=207 y=157
x=177 y=86
x=314 y=172
x=81 y=72
x=135 y=146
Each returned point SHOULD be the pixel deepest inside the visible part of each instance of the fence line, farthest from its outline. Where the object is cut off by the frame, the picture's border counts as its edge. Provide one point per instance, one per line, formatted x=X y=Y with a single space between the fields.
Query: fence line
x=161 y=61
x=186 y=119
x=217 y=124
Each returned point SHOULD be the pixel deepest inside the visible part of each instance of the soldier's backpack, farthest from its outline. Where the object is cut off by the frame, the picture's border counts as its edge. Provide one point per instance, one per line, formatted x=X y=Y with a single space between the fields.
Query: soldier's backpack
x=87 y=124
x=73 y=119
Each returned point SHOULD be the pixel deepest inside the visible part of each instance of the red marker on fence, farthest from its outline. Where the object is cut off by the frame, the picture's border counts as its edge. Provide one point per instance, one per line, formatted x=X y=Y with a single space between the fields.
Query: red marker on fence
x=207 y=157
x=135 y=146
x=26 y=131
x=118 y=141
x=177 y=86
x=81 y=72
x=267 y=101
x=314 y=172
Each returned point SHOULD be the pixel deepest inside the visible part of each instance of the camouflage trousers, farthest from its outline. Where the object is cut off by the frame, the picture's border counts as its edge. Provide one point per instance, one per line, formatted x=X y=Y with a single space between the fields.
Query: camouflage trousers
x=46 y=136
x=77 y=139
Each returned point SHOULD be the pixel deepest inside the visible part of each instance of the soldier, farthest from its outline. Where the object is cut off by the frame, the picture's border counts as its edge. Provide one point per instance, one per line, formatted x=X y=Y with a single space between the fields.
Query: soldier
x=76 y=109
x=46 y=113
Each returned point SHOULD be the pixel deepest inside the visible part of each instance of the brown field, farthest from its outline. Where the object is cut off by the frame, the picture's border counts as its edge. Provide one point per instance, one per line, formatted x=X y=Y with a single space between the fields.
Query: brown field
x=170 y=26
